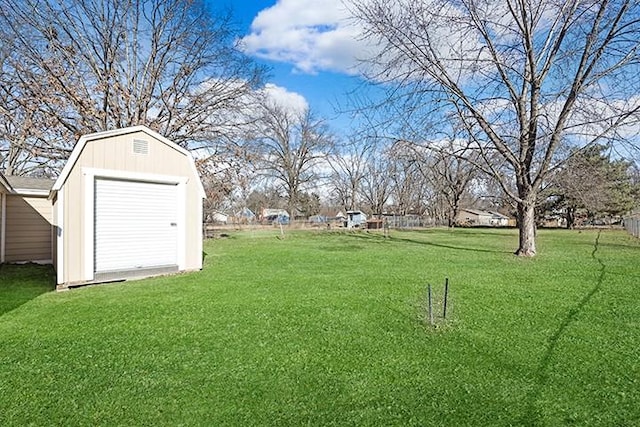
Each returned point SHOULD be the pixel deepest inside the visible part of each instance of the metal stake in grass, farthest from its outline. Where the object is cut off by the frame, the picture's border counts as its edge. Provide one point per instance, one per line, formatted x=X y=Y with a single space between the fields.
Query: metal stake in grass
x=446 y=294
x=430 y=305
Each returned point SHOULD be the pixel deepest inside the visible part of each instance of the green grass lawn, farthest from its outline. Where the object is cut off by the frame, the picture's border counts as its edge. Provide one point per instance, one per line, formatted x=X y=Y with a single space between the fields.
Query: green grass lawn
x=330 y=329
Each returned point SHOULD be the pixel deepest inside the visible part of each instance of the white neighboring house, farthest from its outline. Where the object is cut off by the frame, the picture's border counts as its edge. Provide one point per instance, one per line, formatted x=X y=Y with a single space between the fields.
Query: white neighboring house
x=475 y=217
x=220 y=218
x=499 y=220
x=356 y=219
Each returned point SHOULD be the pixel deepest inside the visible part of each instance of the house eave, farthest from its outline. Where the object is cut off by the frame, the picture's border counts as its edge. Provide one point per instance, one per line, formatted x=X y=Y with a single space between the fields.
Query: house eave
x=31 y=192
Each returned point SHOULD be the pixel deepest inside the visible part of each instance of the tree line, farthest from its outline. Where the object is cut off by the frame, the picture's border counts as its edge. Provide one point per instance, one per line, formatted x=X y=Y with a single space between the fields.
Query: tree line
x=529 y=104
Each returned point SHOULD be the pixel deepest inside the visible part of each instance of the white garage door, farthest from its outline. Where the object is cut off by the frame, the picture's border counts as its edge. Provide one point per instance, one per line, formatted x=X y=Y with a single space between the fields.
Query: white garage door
x=135 y=225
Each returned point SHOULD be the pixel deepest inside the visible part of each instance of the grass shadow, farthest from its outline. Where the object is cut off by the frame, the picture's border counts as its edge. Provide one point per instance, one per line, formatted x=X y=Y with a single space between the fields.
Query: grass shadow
x=484 y=231
x=441 y=245
x=20 y=283
x=380 y=237
x=532 y=416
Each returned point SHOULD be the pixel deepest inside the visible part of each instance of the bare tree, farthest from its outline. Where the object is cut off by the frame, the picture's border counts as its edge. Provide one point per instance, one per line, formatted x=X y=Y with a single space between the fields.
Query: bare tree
x=24 y=127
x=437 y=176
x=226 y=180
x=290 y=146
x=451 y=174
x=72 y=67
x=408 y=184
x=376 y=182
x=522 y=77
x=267 y=197
x=348 y=164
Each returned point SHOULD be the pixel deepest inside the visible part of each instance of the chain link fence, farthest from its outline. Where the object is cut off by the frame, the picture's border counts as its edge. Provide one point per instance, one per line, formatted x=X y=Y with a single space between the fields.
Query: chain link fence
x=408 y=221
x=632 y=225
x=211 y=230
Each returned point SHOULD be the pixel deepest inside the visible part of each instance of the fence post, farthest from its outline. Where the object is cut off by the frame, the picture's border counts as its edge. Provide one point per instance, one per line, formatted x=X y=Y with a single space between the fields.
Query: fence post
x=446 y=295
x=430 y=305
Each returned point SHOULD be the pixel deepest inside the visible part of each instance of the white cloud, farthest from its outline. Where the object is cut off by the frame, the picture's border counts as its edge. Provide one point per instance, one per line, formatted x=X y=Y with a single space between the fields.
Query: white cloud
x=313 y=35
x=323 y=35
x=282 y=97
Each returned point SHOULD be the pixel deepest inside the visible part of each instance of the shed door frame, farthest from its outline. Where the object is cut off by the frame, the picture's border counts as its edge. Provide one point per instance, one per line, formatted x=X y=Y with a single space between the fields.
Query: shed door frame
x=3 y=224
x=89 y=177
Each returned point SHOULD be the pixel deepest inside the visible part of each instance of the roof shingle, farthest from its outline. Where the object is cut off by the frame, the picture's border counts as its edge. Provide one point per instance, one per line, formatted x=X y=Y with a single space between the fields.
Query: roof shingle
x=29 y=183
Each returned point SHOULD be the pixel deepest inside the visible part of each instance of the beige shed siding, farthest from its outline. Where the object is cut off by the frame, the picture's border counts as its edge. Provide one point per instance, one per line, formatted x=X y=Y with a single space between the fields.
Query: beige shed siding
x=2 y=224
x=116 y=154
x=28 y=229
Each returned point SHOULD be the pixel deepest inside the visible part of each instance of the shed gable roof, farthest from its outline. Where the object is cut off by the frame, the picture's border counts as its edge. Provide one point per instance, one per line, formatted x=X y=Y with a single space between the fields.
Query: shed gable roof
x=85 y=139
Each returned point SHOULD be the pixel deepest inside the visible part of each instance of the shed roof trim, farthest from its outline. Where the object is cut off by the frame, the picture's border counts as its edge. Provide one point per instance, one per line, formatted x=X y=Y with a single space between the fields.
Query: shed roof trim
x=5 y=184
x=30 y=184
x=25 y=185
x=77 y=150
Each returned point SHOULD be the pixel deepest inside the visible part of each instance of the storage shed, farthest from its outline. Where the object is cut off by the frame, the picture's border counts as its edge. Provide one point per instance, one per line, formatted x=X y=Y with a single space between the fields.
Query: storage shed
x=25 y=219
x=355 y=219
x=128 y=203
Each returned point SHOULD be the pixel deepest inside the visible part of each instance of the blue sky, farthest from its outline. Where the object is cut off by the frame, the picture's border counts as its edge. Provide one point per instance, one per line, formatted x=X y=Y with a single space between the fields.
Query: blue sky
x=309 y=47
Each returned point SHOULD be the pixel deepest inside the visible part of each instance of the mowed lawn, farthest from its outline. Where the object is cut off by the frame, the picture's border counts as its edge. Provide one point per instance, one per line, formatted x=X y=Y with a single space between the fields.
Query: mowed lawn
x=328 y=328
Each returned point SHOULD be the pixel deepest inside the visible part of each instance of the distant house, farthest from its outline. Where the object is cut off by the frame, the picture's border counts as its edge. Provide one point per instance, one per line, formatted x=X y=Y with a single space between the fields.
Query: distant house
x=244 y=216
x=317 y=219
x=474 y=217
x=277 y=216
x=499 y=220
x=219 y=217
x=355 y=219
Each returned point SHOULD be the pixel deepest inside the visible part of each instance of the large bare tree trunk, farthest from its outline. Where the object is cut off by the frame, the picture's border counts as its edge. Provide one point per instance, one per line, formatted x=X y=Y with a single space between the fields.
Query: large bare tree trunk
x=527 y=229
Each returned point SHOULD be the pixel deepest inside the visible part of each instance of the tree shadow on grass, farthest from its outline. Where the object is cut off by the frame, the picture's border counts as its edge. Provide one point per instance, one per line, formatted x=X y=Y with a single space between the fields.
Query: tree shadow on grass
x=532 y=416
x=483 y=231
x=379 y=237
x=440 y=245
x=20 y=283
